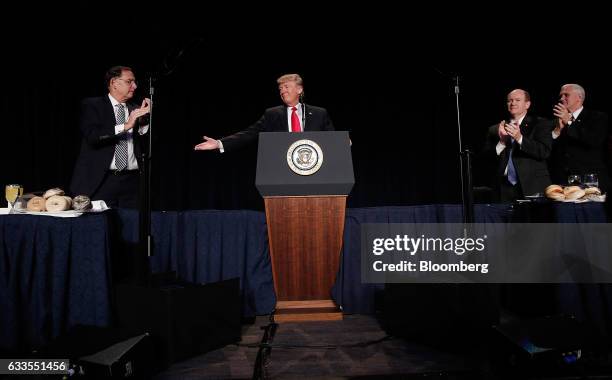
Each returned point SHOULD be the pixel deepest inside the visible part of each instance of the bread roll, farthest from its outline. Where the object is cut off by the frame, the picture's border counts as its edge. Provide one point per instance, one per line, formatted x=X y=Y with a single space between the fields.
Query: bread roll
x=51 y=192
x=554 y=192
x=592 y=191
x=69 y=200
x=573 y=192
x=36 y=204
x=81 y=203
x=58 y=203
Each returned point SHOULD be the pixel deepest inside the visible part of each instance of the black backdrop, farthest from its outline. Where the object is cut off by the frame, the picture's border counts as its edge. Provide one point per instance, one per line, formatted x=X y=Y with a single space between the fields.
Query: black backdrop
x=389 y=84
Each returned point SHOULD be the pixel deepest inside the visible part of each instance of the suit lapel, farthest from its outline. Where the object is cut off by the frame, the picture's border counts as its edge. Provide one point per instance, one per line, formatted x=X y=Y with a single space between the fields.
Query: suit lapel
x=307 y=113
x=526 y=126
x=282 y=113
x=109 y=114
x=584 y=115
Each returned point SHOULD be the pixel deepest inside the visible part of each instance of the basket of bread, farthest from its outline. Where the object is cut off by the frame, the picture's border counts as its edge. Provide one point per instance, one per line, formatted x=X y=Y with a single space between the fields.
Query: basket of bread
x=575 y=194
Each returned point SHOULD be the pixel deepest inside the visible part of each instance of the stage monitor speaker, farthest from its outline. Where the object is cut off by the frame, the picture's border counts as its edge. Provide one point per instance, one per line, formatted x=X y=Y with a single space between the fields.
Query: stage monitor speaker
x=184 y=319
x=129 y=358
x=553 y=344
x=105 y=353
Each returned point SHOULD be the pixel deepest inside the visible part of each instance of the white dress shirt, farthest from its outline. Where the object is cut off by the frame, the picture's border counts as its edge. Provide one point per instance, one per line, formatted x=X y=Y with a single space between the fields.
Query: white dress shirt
x=501 y=146
x=299 y=113
x=119 y=128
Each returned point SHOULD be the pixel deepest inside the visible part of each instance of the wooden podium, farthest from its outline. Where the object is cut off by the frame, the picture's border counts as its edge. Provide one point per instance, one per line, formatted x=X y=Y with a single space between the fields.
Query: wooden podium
x=305 y=179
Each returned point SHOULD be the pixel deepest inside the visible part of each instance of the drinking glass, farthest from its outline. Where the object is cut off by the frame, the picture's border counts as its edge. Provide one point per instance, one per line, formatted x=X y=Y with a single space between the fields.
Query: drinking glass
x=574 y=179
x=11 y=192
x=591 y=180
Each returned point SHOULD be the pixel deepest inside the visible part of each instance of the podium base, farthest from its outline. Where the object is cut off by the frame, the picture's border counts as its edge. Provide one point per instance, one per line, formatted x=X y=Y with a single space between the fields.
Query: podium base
x=306 y=311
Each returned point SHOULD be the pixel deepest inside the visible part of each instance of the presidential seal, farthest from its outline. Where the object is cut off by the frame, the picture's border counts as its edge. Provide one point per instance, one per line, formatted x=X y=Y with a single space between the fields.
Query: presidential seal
x=305 y=157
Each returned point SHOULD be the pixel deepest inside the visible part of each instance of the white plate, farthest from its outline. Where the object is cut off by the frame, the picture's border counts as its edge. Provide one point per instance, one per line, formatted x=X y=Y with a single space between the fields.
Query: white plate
x=57 y=214
x=581 y=200
x=97 y=206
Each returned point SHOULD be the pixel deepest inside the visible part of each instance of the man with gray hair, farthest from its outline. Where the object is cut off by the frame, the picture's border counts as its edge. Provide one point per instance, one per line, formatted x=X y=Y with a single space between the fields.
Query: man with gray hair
x=580 y=136
x=293 y=116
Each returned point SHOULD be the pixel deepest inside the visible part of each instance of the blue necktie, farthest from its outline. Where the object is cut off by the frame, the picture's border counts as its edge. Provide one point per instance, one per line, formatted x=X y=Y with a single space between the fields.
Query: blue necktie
x=512 y=176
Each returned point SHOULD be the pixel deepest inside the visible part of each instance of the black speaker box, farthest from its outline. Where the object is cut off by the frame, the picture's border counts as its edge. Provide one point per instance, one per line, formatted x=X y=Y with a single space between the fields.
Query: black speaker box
x=554 y=336
x=557 y=344
x=447 y=316
x=99 y=352
x=183 y=319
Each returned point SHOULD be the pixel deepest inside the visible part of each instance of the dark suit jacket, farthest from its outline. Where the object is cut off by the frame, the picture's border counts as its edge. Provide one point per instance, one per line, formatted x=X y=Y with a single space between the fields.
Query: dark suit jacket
x=529 y=158
x=275 y=120
x=97 y=125
x=581 y=148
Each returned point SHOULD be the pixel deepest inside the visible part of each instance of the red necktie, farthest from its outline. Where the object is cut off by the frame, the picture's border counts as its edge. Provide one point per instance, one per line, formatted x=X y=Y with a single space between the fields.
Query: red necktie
x=295 y=121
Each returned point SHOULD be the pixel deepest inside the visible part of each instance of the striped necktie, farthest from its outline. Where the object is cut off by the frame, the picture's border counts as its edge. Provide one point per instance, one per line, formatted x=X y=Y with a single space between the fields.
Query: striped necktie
x=121 y=149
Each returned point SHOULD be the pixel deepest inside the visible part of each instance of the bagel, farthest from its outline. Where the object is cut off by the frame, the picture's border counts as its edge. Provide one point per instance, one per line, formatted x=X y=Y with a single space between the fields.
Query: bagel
x=58 y=203
x=36 y=204
x=570 y=189
x=69 y=200
x=81 y=203
x=573 y=193
x=592 y=191
x=51 y=192
x=554 y=192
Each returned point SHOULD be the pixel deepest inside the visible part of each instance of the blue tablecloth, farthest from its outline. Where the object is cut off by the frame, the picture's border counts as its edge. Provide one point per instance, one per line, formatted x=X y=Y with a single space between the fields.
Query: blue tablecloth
x=208 y=246
x=587 y=302
x=349 y=291
x=54 y=274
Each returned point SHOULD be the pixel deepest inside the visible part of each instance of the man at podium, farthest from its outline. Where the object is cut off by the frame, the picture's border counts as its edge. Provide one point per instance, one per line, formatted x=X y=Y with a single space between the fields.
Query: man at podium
x=294 y=116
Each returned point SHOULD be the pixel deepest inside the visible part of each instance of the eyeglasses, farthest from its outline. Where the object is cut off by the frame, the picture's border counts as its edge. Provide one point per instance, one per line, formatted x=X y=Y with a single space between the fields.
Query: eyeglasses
x=129 y=82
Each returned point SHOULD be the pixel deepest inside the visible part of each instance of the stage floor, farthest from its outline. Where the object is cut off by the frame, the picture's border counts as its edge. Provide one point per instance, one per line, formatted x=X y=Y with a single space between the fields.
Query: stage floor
x=356 y=347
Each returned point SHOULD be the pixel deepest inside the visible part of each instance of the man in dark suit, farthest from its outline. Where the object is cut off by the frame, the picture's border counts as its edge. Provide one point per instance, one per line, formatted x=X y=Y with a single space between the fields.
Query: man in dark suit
x=294 y=116
x=107 y=166
x=519 y=146
x=580 y=137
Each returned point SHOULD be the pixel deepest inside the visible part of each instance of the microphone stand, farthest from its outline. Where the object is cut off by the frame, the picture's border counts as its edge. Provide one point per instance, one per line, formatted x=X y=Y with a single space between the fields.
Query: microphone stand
x=145 y=240
x=303 y=112
x=467 y=193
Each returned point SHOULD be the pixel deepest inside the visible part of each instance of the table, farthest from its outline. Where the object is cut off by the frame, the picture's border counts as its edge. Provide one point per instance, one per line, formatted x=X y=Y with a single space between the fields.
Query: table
x=54 y=274
x=58 y=272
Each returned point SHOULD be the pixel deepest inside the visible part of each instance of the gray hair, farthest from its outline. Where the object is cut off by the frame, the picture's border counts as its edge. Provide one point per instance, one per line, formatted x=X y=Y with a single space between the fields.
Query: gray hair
x=578 y=88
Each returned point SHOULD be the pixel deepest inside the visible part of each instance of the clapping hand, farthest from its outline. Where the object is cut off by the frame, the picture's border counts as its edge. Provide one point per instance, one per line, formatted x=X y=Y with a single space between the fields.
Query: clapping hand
x=144 y=109
x=513 y=131
x=563 y=115
x=501 y=132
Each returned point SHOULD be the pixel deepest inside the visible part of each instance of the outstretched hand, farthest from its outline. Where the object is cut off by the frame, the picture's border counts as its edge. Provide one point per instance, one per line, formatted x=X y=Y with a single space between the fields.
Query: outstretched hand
x=208 y=144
